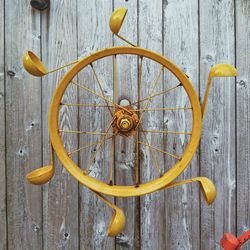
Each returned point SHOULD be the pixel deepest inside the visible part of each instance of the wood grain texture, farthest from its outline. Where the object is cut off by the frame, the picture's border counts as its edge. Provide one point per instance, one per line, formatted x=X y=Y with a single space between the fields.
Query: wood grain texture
x=127 y=77
x=94 y=34
x=242 y=10
x=60 y=196
x=3 y=215
x=152 y=205
x=181 y=46
x=217 y=158
x=23 y=123
x=195 y=35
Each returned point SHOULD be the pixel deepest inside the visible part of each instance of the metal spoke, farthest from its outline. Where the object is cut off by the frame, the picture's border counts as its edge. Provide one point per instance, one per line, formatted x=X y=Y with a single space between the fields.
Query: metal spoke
x=112 y=150
x=137 y=160
x=160 y=109
x=140 y=81
x=137 y=169
x=151 y=93
x=157 y=94
x=86 y=105
x=152 y=154
x=94 y=93
x=83 y=132
x=167 y=132
x=156 y=149
x=114 y=80
x=100 y=87
x=99 y=148
x=111 y=161
x=154 y=159
x=85 y=147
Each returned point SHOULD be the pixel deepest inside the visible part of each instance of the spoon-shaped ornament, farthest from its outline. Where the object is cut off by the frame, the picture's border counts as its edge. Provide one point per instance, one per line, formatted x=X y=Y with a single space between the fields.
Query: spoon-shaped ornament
x=42 y=175
x=118 y=220
x=116 y=21
x=33 y=64
x=35 y=67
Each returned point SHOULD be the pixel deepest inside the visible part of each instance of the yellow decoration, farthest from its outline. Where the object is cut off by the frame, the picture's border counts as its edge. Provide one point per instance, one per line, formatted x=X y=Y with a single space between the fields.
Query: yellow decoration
x=116 y=20
x=99 y=186
x=118 y=220
x=218 y=70
x=41 y=175
x=33 y=64
x=207 y=187
x=126 y=121
x=35 y=67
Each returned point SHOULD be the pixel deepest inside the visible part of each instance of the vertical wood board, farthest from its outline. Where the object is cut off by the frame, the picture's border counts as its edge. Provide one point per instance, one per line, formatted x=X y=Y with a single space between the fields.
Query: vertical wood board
x=93 y=35
x=60 y=196
x=181 y=45
x=3 y=218
x=242 y=9
x=127 y=77
x=217 y=147
x=23 y=123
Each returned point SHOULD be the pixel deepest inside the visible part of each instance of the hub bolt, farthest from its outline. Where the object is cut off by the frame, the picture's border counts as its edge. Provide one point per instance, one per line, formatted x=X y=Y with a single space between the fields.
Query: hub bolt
x=125 y=123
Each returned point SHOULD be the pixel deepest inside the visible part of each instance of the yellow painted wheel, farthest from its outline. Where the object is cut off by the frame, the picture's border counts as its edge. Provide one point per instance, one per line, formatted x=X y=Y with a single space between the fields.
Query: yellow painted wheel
x=125 y=122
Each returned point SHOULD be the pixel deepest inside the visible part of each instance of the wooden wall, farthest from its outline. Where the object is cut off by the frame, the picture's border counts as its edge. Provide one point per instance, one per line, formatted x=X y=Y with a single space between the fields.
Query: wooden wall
x=194 y=34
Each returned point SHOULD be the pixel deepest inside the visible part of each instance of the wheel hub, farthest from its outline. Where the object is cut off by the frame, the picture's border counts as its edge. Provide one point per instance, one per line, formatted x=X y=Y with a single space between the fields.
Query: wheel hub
x=125 y=121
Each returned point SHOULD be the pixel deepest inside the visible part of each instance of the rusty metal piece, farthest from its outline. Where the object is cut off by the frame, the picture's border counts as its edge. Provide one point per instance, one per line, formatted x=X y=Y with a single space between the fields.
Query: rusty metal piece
x=40 y=4
x=125 y=122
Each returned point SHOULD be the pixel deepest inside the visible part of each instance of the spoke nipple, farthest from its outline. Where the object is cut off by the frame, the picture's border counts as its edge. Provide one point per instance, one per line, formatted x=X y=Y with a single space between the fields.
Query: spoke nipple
x=180 y=84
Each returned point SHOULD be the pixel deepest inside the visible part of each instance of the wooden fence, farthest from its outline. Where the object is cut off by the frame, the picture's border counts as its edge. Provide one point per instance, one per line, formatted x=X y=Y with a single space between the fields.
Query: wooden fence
x=195 y=34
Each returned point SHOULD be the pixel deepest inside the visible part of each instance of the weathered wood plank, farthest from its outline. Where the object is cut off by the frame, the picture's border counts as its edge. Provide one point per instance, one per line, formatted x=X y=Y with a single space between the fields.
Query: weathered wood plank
x=170 y=220
x=23 y=123
x=60 y=197
x=217 y=155
x=93 y=35
x=3 y=218
x=181 y=46
x=127 y=77
x=152 y=205
x=242 y=10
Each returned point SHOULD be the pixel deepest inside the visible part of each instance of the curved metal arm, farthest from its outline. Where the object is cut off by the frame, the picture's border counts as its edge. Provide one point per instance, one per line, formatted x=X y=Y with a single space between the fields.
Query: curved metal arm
x=118 y=220
x=207 y=187
x=218 y=70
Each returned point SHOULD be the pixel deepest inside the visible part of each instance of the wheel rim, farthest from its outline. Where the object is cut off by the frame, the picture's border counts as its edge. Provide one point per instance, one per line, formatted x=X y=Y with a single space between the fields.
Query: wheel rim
x=124 y=191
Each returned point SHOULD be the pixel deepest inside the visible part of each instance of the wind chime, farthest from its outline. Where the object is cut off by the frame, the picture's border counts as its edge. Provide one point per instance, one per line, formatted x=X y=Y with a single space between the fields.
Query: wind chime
x=126 y=120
